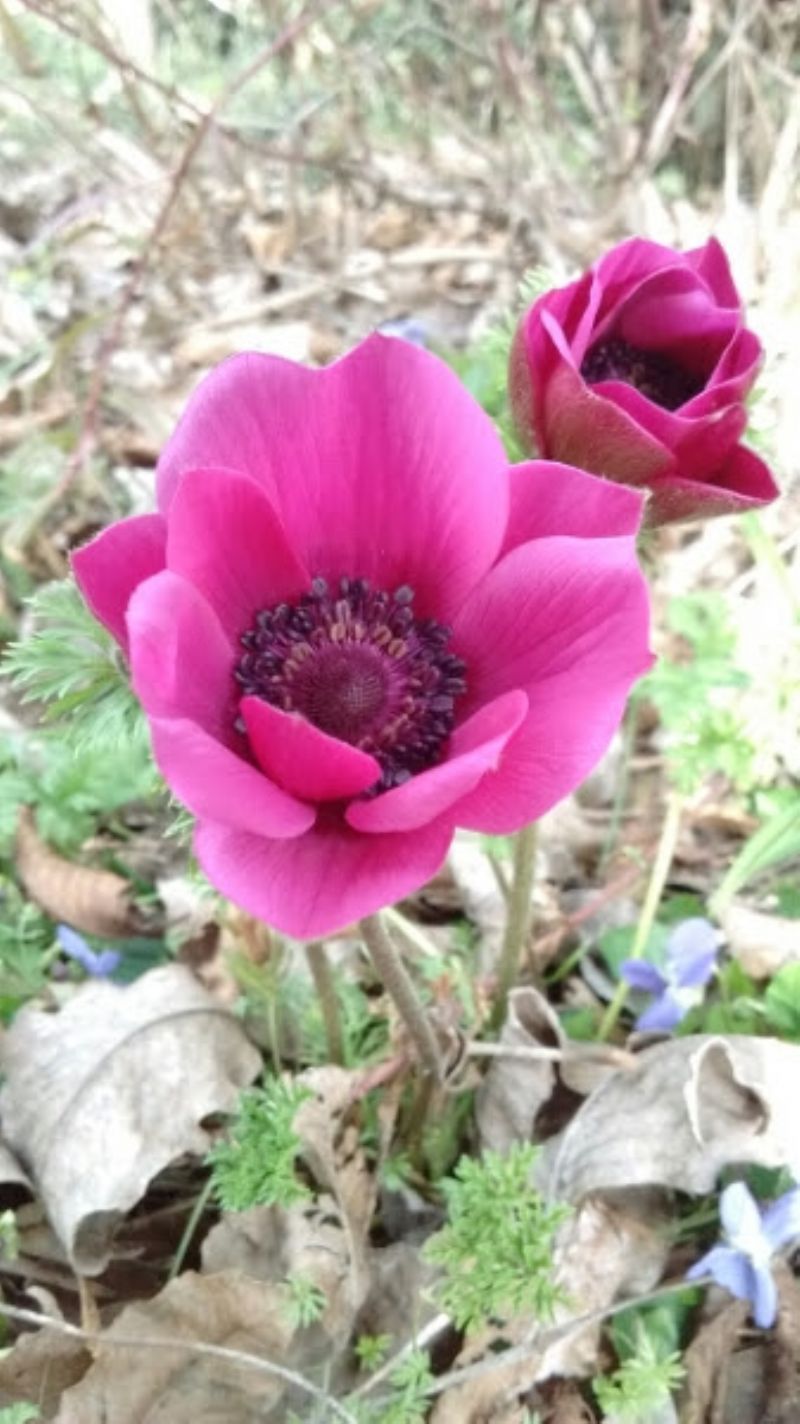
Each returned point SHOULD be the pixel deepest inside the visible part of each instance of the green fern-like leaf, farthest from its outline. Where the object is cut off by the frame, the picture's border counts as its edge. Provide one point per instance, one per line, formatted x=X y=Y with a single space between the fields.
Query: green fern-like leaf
x=72 y=666
x=497 y=1247
x=255 y=1165
x=639 y=1386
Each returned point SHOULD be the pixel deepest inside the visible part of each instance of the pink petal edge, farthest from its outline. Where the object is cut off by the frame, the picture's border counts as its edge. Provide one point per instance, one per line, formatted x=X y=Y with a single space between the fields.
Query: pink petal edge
x=322 y=881
x=476 y=747
x=111 y=566
x=304 y=760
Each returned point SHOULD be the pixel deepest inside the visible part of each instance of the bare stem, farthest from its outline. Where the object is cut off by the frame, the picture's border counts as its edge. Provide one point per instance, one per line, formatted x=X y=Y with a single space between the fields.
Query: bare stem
x=398 y=985
x=650 y=904
x=325 y=986
x=520 y=918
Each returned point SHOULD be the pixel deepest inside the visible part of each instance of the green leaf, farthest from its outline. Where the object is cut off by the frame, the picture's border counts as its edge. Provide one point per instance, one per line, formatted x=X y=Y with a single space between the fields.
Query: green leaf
x=782 y=1002
x=255 y=1166
x=496 y=1250
x=777 y=841
x=614 y=946
x=73 y=667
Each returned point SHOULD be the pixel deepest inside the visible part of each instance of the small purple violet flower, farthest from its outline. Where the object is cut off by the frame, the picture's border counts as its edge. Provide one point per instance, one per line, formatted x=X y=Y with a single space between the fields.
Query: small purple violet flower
x=98 y=964
x=690 y=961
x=743 y=1266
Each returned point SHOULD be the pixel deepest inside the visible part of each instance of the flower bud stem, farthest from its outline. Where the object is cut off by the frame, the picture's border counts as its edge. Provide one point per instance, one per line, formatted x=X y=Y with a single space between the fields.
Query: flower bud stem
x=655 y=889
x=520 y=918
x=398 y=984
x=325 y=985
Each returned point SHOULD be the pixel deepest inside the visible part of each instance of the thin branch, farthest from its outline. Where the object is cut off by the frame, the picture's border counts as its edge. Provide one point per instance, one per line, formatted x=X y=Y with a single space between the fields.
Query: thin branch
x=538 y=1053
x=518 y=1354
x=87 y=437
x=195 y=1347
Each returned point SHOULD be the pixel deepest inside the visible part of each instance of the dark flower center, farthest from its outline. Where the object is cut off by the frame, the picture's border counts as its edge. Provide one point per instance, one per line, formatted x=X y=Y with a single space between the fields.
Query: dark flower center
x=657 y=377
x=358 y=664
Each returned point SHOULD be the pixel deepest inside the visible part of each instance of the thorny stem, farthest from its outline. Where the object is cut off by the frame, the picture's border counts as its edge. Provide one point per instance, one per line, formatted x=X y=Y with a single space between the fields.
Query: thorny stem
x=650 y=904
x=398 y=985
x=325 y=986
x=520 y=918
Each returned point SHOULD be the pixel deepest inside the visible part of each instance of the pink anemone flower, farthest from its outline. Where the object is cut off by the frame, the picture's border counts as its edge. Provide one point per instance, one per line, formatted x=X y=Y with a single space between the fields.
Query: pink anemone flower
x=353 y=628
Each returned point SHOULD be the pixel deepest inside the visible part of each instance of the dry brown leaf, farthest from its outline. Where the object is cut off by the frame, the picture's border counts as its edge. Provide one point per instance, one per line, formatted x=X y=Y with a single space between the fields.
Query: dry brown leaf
x=100 y=1097
x=93 y=901
x=308 y=1241
x=513 y=1091
x=331 y=1148
x=129 y=1385
x=762 y=943
x=15 y=1184
x=39 y=1367
x=706 y=1361
x=689 y=1108
x=325 y=1240
x=561 y=1402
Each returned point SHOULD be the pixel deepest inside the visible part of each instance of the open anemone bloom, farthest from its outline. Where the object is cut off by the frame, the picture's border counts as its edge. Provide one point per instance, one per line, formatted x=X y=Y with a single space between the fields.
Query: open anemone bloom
x=353 y=628
x=639 y=371
x=743 y=1265
x=689 y=963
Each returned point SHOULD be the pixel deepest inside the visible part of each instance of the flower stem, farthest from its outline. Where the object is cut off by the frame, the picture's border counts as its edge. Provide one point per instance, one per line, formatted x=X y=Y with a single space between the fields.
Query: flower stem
x=520 y=918
x=398 y=985
x=325 y=985
x=650 y=904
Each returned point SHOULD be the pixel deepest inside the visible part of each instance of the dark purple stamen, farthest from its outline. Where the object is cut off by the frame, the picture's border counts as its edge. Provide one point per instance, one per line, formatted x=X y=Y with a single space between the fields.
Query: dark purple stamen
x=362 y=667
x=657 y=377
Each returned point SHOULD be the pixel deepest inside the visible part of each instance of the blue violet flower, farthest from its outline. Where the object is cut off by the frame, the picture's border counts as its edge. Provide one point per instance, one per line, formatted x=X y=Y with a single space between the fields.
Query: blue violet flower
x=743 y=1265
x=690 y=961
x=98 y=963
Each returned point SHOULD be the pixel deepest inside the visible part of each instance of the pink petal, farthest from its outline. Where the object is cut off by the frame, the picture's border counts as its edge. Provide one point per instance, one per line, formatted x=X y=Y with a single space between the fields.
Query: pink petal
x=743 y=482
x=181 y=661
x=698 y=445
x=673 y=313
x=226 y=539
x=579 y=427
x=734 y=373
x=217 y=784
x=622 y=270
x=110 y=567
x=476 y=747
x=321 y=881
x=565 y=620
x=303 y=759
x=550 y=498
x=711 y=263
x=382 y=466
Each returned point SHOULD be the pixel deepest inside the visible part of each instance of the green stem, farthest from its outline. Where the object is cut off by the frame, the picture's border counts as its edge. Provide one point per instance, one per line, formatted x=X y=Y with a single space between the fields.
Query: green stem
x=520 y=918
x=193 y=1221
x=325 y=985
x=629 y=729
x=398 y=984
x=650 y=904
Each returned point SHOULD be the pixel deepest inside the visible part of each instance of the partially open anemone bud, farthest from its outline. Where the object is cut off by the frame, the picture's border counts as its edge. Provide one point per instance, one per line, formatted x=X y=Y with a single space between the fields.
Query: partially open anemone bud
x=353 y=628
x=639 y=372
